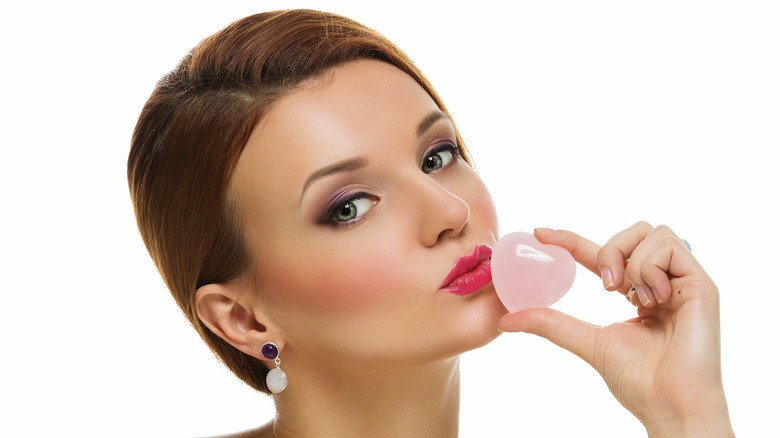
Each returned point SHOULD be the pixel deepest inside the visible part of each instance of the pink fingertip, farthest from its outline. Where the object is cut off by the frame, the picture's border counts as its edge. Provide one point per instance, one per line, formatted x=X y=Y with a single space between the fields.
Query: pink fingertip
x=606 y=277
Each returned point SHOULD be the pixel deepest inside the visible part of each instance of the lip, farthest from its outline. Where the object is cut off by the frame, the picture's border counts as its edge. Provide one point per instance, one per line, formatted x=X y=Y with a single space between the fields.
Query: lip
x=470 y=273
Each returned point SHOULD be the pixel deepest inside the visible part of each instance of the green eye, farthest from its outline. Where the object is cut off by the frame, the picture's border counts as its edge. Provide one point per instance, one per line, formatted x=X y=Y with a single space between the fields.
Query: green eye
x=439 y=158
x=352 y=209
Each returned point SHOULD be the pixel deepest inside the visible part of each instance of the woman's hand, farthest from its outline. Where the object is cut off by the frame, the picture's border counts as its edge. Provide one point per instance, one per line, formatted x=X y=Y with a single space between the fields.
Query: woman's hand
x=664 y=365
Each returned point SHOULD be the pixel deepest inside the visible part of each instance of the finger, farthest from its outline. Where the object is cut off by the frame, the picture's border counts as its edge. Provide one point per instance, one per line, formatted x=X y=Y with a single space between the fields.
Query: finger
x=583 y=250
x=669 y=258
x=638 y=269
x=611 y=258
x=561 y=329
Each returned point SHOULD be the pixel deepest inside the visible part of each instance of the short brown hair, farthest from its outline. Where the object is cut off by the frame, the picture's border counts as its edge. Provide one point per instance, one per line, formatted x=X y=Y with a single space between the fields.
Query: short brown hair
x=194 y=127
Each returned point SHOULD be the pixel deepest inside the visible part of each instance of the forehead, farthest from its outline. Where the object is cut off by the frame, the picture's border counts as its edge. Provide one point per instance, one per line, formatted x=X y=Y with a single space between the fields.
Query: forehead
x=363 y=108
x=354 y=103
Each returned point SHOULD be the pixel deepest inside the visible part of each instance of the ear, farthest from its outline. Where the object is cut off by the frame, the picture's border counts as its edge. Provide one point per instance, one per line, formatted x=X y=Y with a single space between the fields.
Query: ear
x=225 y=309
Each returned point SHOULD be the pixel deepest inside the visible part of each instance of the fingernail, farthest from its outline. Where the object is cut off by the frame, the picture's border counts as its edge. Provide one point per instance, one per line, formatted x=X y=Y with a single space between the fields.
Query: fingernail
x=606 y=277
x=630 y=294
x=643 y=297
x=657 y=296
x=542 y=230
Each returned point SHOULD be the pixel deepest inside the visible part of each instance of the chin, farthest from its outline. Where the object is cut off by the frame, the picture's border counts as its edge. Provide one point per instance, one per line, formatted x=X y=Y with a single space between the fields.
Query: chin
x=477 y=325
x=472 y=322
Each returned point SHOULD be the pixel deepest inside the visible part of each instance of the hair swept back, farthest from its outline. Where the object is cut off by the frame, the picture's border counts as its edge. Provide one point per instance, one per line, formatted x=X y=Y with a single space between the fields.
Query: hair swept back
x=193 y=128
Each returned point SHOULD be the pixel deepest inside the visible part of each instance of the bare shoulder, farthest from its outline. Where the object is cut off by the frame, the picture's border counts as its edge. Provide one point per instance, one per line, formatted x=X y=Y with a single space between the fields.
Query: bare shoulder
x=264 y=431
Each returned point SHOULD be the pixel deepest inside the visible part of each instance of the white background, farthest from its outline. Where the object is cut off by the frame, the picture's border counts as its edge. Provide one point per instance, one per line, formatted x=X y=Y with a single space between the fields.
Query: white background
x=580 y=115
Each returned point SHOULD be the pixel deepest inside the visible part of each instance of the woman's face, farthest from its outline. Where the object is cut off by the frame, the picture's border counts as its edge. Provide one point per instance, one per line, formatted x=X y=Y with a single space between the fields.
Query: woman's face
x=356 y=206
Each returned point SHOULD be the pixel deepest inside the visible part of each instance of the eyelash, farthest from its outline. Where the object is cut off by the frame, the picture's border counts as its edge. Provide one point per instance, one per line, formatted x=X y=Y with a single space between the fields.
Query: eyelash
x=329 y=218
x=449 y=147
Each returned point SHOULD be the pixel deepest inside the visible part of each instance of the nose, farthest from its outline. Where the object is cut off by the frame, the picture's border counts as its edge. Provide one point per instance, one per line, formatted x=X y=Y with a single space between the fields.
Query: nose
x=443 y=214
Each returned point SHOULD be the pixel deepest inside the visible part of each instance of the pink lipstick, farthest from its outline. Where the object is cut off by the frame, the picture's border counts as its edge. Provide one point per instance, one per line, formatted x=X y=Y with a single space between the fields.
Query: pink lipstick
x=470 y=273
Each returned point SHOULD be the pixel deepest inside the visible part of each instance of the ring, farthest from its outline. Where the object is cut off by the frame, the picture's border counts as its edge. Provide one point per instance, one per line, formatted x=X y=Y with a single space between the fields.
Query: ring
x=687 y=245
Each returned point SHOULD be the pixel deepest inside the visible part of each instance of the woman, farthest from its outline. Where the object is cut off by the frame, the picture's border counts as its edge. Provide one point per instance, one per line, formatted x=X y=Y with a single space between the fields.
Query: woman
x=311 y=206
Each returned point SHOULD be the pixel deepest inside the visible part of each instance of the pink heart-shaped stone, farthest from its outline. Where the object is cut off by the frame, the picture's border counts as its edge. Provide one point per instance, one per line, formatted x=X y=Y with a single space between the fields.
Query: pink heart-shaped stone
x=528 y=273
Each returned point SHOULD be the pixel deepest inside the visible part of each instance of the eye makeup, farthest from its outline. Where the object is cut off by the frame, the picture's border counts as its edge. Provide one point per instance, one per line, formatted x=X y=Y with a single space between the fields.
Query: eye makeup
x=440 y=156
x=348 y=210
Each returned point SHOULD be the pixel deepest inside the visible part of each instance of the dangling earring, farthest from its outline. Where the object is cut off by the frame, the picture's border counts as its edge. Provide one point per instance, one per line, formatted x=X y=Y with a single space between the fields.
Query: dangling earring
x=276 y=380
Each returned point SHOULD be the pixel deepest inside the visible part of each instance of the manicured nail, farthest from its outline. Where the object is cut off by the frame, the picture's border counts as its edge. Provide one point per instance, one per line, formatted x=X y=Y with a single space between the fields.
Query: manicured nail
x=643 y=297
x=630 y=295
x=606 y=277
x=542 y=230
x=657 y=296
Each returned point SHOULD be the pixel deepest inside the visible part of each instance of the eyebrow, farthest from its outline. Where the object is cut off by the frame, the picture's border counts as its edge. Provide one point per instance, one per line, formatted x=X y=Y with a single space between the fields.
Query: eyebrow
x=347 y=165
x=356 y=163
x=430 y=119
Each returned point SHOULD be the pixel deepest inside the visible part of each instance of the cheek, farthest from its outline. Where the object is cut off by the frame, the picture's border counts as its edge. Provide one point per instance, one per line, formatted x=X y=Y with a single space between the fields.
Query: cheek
x=483 y=210
x=359 y=282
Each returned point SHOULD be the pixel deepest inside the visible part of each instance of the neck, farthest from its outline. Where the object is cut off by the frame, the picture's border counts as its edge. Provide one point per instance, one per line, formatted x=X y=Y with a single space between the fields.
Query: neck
x=421 y=401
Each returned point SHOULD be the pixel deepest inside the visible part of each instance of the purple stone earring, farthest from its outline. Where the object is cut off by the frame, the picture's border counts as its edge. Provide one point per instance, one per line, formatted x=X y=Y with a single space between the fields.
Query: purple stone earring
x=276 y=380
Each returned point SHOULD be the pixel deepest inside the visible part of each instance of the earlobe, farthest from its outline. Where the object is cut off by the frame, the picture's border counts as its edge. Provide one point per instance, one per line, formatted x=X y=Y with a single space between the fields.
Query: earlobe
x=219 y=308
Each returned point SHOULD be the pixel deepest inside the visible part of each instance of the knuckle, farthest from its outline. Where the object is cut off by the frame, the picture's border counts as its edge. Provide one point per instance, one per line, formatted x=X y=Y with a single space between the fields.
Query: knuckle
x=670 y=240
x=633 y=270
x=644 y=225
x=647 y=270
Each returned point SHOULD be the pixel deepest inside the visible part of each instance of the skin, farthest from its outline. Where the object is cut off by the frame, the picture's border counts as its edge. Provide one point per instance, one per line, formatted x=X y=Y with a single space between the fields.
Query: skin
x=374 y=282
x=367 y=340
x=664 y=365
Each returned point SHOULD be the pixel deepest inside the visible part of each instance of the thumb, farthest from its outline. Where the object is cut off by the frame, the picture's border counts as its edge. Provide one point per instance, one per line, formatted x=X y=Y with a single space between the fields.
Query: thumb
x=559 y=328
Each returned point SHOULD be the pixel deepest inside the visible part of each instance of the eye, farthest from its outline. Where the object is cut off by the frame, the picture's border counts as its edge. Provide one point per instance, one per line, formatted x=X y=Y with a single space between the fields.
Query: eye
x=349 y=210
x=440 y=157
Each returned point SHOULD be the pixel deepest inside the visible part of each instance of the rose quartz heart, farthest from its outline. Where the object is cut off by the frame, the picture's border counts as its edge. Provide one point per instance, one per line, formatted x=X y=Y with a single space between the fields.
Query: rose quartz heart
x=528 y=273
